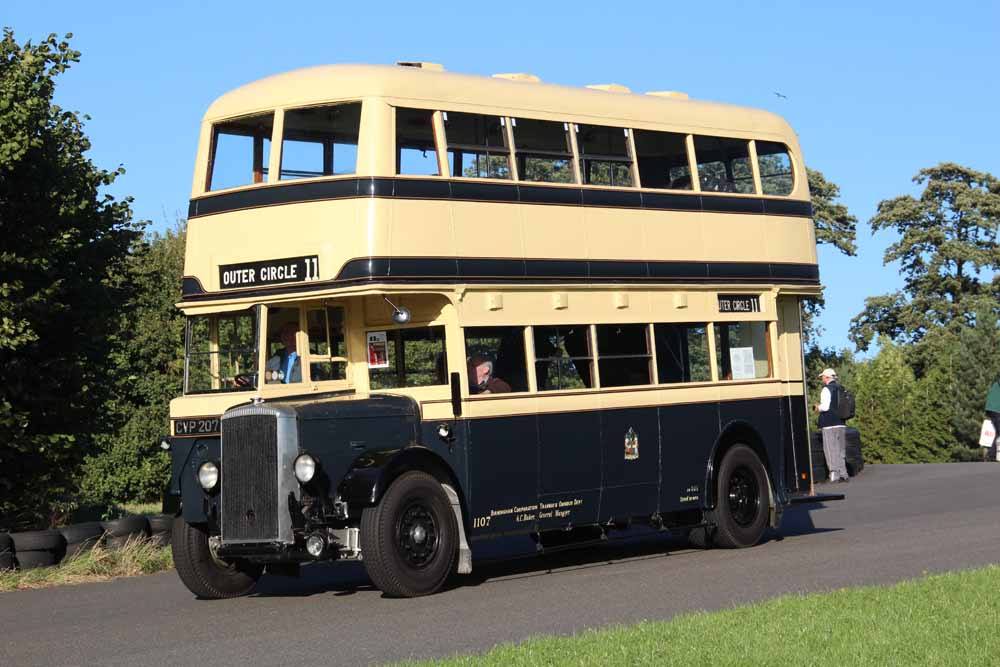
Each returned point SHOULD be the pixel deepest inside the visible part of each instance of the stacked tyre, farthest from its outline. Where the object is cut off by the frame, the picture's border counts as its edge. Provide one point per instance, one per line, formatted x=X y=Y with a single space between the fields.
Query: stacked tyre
x=81 y=537
x=38 y=548
x=117 y=533
x=160 y=527
x=6 y=552
x=854 y=456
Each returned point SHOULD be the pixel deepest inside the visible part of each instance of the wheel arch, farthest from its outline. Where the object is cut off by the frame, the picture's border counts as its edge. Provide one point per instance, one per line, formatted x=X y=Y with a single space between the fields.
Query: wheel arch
x=738 y=432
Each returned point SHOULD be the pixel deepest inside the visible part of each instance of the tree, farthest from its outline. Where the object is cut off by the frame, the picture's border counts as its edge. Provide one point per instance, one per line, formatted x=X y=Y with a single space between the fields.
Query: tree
x=148 y=370
x=835 y=226
x=947 y=239
x=61 y=267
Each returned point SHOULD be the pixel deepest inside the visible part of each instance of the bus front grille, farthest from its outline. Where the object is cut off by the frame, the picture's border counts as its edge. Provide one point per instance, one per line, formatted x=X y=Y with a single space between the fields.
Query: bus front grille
x=249 y=478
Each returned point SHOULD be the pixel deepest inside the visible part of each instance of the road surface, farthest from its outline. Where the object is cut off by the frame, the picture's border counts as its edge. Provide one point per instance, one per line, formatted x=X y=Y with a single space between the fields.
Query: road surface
x=898 y=522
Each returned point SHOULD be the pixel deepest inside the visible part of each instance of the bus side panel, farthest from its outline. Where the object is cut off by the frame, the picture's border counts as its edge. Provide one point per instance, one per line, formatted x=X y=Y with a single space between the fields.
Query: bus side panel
x=688 y=433
x=797 y=463
x=503 y=474
x=765 y=417
x=630 y=440
x=570 y=468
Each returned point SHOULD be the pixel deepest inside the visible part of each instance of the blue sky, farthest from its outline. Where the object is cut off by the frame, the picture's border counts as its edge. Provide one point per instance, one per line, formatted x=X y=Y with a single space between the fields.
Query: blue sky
x=876 y=90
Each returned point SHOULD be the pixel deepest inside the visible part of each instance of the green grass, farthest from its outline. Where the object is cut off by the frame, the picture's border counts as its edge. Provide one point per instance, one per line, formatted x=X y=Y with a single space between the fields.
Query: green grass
x=138 y=556
x=949 y=619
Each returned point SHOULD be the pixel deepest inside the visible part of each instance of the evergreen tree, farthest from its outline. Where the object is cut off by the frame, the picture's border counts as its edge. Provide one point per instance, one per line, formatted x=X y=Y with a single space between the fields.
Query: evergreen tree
x=64 y=246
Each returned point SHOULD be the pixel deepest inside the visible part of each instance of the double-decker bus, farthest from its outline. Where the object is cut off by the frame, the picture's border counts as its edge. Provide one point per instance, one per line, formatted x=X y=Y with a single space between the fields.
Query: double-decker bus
x=427 y=309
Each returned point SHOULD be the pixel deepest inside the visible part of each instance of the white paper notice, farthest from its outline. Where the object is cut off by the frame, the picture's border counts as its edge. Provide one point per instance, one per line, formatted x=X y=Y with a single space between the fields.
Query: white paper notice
x=742 y=363
x=378 y=350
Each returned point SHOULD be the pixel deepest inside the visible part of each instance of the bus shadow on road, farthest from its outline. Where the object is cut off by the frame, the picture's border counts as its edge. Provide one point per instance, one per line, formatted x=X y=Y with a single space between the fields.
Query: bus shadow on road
x=797 y=520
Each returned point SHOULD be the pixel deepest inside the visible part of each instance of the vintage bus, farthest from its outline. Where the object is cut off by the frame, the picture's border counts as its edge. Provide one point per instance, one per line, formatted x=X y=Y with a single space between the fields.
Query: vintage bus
x=427 y=309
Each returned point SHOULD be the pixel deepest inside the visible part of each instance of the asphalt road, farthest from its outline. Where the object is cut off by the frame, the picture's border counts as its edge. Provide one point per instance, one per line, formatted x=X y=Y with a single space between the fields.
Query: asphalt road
x=898 y=522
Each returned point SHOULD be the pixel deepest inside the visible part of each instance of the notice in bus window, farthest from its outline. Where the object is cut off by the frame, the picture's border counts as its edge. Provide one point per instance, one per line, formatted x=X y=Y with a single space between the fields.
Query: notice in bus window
x=378 y=353
x=741 y=359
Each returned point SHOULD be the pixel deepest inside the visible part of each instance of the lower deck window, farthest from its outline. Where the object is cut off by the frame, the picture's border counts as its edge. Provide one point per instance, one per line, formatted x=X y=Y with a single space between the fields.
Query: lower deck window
x=496 y=360
x=623 y=354
x=221 y=353
x=412 y=357
x=682 y=353
x=742 y=350
x=563 y=357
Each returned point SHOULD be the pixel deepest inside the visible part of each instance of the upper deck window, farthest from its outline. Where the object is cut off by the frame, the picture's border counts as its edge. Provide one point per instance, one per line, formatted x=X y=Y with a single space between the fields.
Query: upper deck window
x=663 y=160
x=416 y=152
x=724 y=164
x=241 y=149
x=605 y=155
x=477 y=145
x=775 y=168
x=543 y=151
x=320 y=141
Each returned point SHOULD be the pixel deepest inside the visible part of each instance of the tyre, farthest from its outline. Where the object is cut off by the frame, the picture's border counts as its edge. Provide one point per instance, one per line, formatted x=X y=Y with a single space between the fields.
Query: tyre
x=205 y=575
x=742 y=507
x=120 y=531
x=81 y=537
x=29 y=560
x=160 y=523
x=6 y=552
x=38 y=540
x=409 y=541
x=702 y=537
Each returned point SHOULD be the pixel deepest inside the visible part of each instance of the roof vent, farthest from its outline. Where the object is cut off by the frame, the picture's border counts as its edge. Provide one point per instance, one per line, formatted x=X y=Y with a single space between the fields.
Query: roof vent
x=610 y=87
x=434 y=67
x=672 y=94
x=518 y=76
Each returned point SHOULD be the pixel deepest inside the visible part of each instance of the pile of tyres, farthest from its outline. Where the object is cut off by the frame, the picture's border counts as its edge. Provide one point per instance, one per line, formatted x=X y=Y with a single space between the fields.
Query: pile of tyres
x=854 y=455
x=43 y=548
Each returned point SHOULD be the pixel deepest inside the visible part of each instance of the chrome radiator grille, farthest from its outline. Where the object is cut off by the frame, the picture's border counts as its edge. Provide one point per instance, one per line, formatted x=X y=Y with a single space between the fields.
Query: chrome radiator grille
x=250 y=478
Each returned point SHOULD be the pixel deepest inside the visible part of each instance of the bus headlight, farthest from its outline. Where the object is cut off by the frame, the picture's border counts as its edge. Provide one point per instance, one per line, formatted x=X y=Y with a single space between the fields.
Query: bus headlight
x=305 y=468
x=208 y=475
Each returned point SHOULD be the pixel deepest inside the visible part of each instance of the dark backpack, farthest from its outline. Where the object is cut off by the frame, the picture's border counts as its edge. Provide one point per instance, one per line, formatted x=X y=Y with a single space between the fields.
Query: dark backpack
x=845 y=404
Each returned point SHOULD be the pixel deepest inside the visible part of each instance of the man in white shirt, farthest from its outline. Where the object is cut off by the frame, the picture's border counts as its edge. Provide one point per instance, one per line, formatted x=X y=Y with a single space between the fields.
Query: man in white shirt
x=832 y=427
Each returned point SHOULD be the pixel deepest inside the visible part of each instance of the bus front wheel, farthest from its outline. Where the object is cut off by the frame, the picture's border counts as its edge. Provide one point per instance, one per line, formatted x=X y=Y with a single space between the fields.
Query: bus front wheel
x=409 y=541
x=202 y=572
x=742 y=502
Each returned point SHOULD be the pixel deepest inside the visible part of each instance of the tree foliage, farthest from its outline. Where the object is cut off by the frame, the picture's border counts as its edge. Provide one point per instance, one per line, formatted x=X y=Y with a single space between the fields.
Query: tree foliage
x=64 y=247
x=947 y=239
x=147 y=367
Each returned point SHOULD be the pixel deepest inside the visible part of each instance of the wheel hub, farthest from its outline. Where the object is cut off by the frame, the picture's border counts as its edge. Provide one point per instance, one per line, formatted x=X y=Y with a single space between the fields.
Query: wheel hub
x=417 y=535
x=744 y=496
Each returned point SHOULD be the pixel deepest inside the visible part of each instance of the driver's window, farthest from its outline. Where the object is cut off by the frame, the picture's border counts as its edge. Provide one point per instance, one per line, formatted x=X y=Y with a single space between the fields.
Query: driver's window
x=327 y=347
x=284 y=363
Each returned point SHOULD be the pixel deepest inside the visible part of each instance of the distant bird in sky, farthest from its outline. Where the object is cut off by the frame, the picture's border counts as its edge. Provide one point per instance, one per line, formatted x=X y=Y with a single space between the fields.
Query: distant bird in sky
x=784 y=97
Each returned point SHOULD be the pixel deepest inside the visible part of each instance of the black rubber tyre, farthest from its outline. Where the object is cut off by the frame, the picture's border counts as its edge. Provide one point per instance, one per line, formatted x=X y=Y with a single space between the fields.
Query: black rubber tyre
x=409 y=541
x=126 y=526
x=203 y=574
x=702 y=537
x=6 y=552
x=29 y=560
x=160 y=523
x=81 y=537
x=742 y=506
x=38 y=540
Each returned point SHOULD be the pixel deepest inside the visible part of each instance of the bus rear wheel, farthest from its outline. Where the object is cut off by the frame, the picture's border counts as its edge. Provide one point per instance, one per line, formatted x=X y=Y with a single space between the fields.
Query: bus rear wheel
x=202 y=572
x=409 y=541
x=742 y=508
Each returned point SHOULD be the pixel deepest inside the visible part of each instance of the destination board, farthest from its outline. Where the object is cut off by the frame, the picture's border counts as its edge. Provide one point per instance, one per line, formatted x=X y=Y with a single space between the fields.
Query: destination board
x=269 y=272
x=739 y=303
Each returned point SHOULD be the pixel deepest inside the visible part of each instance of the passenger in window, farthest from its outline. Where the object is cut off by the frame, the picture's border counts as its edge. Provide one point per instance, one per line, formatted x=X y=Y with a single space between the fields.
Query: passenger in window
x=285 y=365
x=481 y=380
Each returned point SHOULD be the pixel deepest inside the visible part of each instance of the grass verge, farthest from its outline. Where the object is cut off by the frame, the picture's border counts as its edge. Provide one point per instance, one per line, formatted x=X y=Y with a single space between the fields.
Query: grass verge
x=948 y=619
x=138 y=556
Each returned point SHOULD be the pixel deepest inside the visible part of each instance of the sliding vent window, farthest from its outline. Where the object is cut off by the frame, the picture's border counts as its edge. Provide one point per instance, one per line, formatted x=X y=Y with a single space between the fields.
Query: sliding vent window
x=662 y=159
x=623 y=356
x=742 y=350
x=496 y=360
x=724 y=164
x=775 y=168
x=241 y=149
x=320 y=141
x=416 y=152
x=543 y=151
x=605 y=155
x=563 y=357
x=477 y=145
x=681 y=353
x=327 y=348
x=416 y=358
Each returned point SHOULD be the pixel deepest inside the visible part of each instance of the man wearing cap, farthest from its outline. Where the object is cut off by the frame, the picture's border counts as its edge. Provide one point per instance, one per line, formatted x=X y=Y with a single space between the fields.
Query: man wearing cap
x=833 y=428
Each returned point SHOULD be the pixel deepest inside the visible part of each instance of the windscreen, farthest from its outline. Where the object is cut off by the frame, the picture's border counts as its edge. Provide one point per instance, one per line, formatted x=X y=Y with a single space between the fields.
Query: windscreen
x=221 y=352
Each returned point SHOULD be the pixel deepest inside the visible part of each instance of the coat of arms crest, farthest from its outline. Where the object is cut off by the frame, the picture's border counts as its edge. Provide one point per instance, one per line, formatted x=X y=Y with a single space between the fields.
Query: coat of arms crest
x=631 y=445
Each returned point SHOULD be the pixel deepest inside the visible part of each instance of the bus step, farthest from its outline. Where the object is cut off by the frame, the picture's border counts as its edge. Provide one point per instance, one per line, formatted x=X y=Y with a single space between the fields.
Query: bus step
x=816 y=498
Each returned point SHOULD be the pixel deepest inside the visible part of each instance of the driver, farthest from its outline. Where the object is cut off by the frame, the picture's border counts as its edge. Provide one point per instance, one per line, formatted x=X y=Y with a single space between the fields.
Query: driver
x=285 y=365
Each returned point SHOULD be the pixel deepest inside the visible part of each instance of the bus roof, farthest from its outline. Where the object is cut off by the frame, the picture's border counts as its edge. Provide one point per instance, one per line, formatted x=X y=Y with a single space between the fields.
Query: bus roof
x=326 y=83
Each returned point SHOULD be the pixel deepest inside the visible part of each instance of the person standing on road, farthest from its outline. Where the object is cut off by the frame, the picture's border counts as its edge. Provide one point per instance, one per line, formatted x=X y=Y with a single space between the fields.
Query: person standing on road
x=993 y=413
x=832 y=427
